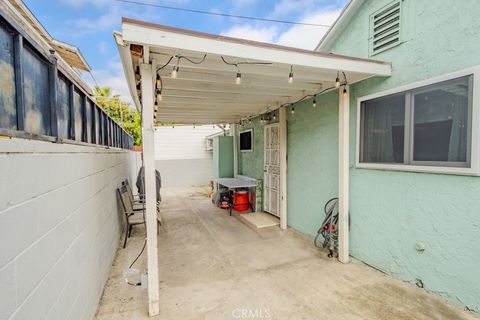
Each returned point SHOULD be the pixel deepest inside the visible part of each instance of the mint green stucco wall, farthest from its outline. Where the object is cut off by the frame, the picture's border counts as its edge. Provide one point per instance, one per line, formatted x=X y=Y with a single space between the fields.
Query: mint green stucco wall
x=392 y=211
x=312 y=175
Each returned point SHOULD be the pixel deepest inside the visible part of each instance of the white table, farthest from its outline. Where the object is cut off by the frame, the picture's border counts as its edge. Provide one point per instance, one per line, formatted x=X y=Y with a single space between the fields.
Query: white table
x=235 y=184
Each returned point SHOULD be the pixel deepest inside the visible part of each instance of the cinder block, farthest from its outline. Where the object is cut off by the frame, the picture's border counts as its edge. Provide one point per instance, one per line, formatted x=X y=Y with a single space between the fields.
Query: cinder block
x=18 y=230
x=44 y=296
x=33 y=264
x=7 y=291
x=5 y=178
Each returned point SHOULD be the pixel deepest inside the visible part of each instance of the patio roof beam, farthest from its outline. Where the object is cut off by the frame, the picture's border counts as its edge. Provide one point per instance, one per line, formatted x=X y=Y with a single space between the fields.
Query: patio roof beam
x=154 y=35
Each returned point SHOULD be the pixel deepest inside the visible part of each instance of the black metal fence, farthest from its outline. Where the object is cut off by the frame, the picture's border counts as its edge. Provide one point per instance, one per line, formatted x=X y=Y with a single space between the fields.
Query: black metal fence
x=37 y=101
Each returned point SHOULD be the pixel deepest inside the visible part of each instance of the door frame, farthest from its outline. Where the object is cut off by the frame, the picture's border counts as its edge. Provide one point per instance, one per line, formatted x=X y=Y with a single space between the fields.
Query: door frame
x=279 y=210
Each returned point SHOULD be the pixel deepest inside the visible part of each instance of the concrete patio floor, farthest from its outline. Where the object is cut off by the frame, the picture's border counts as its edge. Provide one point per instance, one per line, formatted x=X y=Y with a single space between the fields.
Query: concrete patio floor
x=213 y=266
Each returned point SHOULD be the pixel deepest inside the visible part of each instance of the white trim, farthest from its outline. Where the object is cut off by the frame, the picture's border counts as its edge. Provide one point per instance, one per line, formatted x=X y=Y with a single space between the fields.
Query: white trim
x=339 y=24
x=474 y=169
x=148 y=134
x=233 y=129
x=283 y=168
x=251 y=144
x=343 y=175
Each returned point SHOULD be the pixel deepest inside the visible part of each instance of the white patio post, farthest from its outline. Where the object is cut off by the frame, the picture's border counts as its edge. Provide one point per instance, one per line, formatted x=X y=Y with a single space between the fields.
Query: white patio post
x=234 y=128
x=283 y=167
x=150 y=193
x=343 y=175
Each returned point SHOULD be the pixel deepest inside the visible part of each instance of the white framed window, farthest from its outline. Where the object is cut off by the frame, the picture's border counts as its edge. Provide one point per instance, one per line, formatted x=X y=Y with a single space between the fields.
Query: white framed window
x=429 y=126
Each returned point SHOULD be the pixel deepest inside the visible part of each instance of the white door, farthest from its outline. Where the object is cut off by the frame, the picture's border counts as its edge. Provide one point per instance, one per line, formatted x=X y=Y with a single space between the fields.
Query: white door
x=271 y=169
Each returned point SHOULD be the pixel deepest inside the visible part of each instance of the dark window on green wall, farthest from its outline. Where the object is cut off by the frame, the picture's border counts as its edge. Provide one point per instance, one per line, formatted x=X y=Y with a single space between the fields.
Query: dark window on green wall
x=8 y=113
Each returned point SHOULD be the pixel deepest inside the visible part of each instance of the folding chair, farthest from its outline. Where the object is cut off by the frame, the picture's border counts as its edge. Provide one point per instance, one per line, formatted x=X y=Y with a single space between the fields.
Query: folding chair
x=132 y=216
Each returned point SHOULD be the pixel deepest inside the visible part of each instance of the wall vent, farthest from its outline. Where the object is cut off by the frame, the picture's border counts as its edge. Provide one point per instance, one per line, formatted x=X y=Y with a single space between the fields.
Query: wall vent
x=385 y=27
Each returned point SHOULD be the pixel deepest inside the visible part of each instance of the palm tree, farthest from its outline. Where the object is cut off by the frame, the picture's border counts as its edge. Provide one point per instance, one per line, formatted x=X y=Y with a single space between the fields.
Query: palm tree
x=102 y=92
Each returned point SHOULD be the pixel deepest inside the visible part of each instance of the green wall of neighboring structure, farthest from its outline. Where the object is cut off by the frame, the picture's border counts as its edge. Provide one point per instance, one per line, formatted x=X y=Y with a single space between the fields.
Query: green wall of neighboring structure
x=223 y=157
x=391 y=211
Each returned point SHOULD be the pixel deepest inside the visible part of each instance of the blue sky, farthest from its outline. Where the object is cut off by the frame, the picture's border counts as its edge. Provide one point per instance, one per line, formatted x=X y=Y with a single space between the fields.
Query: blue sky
x=88 y=24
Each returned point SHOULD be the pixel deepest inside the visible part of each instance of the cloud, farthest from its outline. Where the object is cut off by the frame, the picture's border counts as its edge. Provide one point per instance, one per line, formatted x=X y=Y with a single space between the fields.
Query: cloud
x=252 y=33
x=300 y=36
x=307 y=37
x=111 y=76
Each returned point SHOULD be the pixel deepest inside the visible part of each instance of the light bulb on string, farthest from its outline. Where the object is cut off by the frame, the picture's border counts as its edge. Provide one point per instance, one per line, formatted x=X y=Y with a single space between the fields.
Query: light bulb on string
x=345 y=91
x=158 y=81
x=293 y=110
x=175 y=72
x=337 y=81
x=290 y=76
x=314 y=104
x=238 y=80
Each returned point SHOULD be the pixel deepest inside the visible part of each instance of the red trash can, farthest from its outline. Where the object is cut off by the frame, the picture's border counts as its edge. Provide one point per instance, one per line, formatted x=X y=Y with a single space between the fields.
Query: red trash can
x=240 y=199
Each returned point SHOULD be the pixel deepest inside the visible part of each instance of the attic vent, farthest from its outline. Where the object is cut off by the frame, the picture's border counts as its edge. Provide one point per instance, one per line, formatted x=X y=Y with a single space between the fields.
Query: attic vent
x=385 y=28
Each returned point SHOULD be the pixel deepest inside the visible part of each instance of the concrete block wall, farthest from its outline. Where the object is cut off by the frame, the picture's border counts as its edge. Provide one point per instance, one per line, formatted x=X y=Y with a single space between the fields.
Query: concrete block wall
x=59 y=226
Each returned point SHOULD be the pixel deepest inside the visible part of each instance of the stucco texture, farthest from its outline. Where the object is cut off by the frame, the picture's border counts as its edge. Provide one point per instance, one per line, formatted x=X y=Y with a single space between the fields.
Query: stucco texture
x=393 y=211
x=312 y=176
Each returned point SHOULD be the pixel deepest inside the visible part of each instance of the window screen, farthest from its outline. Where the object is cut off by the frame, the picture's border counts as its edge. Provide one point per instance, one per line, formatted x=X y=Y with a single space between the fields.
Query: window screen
x=246 y=140
x=383 y=129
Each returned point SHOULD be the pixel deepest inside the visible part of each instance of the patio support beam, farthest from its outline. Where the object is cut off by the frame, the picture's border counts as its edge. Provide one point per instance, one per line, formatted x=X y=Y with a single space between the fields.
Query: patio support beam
x=150 y=193
x=234 y=128
x=283 y=167
x=343 y=175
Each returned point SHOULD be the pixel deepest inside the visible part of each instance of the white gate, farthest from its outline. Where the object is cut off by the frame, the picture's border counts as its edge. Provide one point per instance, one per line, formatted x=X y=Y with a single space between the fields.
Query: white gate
x=271 y=169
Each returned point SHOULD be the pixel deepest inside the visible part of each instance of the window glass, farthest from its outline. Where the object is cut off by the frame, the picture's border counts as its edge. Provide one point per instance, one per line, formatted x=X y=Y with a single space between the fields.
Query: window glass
x=63 y=107
x=8 y=112
x=431 y=124
x=441 y=122
x=383 y=129
x=36 y=93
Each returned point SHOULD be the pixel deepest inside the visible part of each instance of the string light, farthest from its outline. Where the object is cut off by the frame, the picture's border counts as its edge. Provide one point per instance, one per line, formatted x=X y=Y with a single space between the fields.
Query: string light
x=337 y=81
x=175 y=72
x=159 y=95
x=159 y=81
x=239 y=78
x=314 y=104
x=290 y=76
x=344 y=91
x=293 y=110
x=274 y=115
x=156 y=106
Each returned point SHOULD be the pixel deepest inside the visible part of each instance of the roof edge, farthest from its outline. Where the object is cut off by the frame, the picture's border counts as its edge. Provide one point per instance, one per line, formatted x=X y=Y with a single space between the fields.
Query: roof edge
x=205 y=35
x=339 y=24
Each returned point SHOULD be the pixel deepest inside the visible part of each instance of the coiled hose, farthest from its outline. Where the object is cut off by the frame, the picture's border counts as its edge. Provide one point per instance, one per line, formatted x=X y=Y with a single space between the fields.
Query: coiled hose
x=328 y=229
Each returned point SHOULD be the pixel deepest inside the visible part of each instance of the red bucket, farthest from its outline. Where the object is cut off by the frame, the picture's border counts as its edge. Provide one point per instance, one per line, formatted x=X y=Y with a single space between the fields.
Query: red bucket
x=241 y=201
